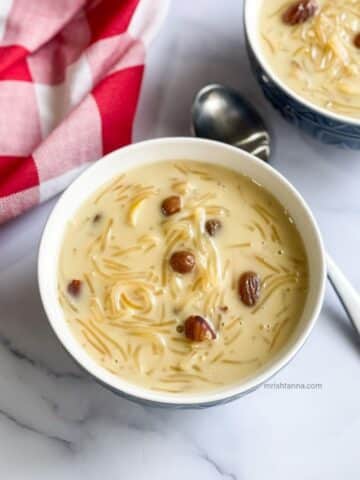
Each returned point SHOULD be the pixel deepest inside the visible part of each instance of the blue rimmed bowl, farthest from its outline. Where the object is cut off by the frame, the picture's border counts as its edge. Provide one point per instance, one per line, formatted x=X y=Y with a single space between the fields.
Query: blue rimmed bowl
x=328 y=127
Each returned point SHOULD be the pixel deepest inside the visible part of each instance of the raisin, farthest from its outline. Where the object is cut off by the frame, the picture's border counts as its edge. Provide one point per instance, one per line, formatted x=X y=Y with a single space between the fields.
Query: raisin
x=171 y=205
x=249 y=287
x=198 y=329
x=212 y=226
x=74 y=287
x=357 y=40
x=182 y=261
x=300 y=12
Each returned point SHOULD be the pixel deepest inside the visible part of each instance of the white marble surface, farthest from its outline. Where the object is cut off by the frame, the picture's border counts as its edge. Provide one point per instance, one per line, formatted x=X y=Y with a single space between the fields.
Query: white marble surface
x=55 y=423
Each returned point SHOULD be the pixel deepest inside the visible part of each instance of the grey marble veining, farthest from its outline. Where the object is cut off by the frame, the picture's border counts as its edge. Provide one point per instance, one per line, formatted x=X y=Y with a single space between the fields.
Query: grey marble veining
x=56 y=423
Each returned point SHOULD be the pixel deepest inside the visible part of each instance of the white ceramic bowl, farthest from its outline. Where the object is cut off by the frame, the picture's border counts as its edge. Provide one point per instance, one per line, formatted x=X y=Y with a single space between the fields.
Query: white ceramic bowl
x=174 y=149
x=325 y=125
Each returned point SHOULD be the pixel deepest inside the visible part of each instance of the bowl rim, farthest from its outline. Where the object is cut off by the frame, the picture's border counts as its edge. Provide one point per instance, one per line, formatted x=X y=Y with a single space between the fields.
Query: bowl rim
x=255 y=46
x=141 y=394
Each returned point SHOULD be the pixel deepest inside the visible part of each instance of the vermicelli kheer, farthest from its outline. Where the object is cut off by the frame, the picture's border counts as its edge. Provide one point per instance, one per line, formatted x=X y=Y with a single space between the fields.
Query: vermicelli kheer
x=182 y=276
x=314 y=48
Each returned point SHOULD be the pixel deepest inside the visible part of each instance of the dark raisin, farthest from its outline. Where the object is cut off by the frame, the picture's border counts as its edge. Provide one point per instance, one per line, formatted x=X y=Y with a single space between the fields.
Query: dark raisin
x=249 y=287
x=212 y=226
x=171 y=205
x=182 y=261
x=198 y=329
x=357 y=40
x=300 y=12
x=74 y=287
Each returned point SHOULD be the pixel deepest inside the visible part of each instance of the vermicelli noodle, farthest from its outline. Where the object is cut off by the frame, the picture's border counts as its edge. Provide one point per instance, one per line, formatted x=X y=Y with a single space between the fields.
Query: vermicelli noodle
x=126 y=303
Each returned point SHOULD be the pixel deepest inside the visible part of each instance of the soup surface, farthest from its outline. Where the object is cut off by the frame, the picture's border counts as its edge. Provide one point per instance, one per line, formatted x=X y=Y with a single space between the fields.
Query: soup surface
x=314 y=48
x=182 y=276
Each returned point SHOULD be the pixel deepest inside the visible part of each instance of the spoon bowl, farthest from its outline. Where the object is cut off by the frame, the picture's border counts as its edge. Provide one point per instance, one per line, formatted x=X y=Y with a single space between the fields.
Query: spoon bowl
x=221 y=113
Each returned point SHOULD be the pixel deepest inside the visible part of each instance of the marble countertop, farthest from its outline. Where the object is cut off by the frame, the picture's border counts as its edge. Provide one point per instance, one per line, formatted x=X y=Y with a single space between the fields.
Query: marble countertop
x=55 y=423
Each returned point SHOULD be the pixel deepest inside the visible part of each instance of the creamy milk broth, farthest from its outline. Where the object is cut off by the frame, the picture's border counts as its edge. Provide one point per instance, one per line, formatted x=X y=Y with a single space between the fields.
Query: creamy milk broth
x=317 y=59
x=131 y=304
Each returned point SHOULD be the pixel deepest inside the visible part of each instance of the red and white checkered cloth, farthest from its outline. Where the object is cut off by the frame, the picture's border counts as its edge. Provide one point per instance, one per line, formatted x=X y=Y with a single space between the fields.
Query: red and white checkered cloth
x=70 y=77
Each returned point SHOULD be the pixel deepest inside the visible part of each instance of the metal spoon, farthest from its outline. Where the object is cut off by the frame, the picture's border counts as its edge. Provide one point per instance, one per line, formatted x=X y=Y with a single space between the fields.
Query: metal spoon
x=220 y=113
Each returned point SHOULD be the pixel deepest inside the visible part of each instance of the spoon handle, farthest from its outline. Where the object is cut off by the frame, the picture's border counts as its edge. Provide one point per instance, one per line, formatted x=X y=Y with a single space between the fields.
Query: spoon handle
x=347 y=294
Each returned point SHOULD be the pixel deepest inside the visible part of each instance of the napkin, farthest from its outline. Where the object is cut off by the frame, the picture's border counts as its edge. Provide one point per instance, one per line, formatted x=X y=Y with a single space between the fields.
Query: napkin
x=70 y=78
